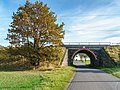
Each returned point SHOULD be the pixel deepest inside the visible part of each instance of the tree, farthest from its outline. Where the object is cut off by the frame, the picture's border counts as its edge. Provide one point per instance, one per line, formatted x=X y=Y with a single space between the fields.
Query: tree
x=82 y=55
x=34 y=26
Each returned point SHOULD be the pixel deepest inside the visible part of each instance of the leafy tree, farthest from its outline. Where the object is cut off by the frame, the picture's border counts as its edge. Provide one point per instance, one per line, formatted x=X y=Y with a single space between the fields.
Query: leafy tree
x=34 y=27
x=82 y=55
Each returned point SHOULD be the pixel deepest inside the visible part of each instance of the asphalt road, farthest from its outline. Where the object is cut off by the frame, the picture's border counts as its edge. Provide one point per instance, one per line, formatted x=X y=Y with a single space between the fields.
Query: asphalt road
x=93 y=79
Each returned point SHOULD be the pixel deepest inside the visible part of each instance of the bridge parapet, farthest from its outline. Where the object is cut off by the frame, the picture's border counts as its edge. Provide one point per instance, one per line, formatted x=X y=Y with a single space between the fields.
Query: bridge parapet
x=87 y=43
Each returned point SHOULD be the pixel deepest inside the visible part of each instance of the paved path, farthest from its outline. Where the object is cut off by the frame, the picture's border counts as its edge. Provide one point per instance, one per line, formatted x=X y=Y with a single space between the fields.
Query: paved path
x=93 y=79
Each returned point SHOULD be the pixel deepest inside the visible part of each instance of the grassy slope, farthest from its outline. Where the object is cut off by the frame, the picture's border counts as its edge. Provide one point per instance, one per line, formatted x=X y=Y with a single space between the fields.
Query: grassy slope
x=13 y=79
x=10 y=62
x=113 y=71
x=113 y=52
x=29 y=80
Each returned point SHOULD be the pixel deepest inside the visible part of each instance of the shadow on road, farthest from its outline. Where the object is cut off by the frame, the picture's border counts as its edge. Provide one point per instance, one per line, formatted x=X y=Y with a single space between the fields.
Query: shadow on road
x=79 y=64
x=82 y=66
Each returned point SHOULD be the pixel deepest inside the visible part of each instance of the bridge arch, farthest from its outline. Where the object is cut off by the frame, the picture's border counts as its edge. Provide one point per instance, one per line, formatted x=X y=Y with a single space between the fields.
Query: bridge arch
x=88 y=52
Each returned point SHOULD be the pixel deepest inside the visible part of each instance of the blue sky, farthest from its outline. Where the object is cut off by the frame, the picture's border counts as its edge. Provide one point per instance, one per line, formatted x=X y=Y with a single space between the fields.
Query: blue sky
x=85 y=20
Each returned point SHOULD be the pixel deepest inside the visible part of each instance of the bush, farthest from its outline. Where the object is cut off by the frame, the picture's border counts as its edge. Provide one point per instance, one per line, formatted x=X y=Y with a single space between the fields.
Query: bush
x=48 y=57
x=53 y=55
x=10 y=59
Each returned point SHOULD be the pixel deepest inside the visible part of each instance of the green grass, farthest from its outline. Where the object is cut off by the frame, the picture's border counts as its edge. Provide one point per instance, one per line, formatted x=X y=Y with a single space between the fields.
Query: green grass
x=113 y=71
x=87 y=62
x=36 y=80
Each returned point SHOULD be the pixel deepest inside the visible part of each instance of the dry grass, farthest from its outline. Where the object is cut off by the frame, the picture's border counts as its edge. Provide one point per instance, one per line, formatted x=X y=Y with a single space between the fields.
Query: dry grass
x=114 y=52
x=19 y=63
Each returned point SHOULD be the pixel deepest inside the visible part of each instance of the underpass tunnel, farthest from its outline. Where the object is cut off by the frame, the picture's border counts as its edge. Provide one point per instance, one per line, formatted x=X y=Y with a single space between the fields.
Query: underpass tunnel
x=83 y=57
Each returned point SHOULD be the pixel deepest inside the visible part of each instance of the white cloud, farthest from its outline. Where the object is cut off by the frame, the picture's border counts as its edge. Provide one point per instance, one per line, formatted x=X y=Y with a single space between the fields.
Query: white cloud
x=95 y=25
x=103 y=24
x=2 y=29
x=113 y=39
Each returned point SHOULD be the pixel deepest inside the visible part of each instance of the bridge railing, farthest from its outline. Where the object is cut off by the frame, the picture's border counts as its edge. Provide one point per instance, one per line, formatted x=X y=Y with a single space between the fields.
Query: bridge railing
x=113 y=44
x=87 y=43
x=91 y=43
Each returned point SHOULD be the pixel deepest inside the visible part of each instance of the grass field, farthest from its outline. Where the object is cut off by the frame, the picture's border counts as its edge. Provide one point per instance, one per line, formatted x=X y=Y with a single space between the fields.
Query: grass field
x=87 y=62
x=36 y=80
x=113 y=71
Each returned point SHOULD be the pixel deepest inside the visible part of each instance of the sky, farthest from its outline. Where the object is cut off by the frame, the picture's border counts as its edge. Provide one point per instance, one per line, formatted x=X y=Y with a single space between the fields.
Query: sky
x=85 y=20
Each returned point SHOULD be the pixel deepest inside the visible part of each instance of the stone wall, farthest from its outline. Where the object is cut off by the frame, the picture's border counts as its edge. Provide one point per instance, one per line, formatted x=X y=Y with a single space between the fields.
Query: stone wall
x=65 y=59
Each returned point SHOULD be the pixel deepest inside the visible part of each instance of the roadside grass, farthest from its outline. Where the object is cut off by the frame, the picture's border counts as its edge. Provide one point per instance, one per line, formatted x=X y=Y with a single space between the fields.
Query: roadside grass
x=113 y=71
x=87 y=62
x=36 y=80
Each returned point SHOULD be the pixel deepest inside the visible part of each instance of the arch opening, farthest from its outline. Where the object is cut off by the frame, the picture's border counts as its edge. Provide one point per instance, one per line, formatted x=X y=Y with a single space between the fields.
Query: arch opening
x=87 y=54
x=81 y=58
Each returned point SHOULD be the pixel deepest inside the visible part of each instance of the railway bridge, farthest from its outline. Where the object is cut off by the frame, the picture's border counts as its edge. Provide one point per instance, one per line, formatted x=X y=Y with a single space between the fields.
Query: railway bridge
x=95 y=51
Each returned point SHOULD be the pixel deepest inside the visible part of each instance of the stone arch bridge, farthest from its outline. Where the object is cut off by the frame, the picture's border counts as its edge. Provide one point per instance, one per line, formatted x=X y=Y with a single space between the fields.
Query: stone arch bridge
x=95 y=51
